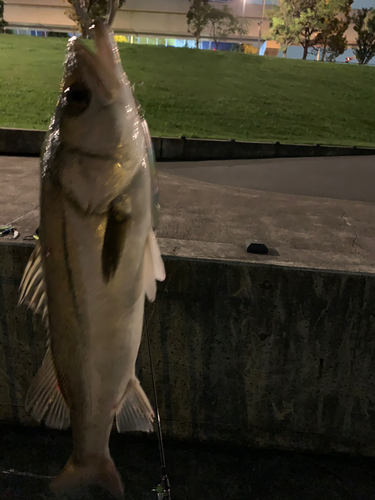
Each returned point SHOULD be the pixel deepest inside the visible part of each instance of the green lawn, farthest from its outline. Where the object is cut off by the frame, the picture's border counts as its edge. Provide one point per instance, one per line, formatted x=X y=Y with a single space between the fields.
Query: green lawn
x=205 y=94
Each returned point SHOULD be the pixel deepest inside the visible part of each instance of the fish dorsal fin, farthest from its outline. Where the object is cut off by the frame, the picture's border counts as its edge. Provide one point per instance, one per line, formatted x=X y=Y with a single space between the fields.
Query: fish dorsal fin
x=33 y=287
x=153 y=266
x=135 y=412
x=44 y=398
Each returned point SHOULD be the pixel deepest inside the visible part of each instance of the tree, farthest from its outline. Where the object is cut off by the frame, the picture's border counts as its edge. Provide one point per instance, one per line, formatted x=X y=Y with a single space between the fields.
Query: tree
x=301 y=21
x=3 y=23
x=198 y=17
x=311 y=21
x=297 y=21
x=224 y=23
x=364 y=26
x=284 y=25
x=332 y=37
x=95 y=9
x=336 y=43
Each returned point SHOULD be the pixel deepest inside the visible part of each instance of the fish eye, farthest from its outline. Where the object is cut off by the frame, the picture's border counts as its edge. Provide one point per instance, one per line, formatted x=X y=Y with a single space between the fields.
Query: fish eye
x=77 y=98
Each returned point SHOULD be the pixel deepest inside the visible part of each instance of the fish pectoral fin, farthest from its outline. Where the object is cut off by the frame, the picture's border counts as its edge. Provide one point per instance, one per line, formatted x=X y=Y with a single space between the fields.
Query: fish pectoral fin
x=153 y=266
x=135 y=412
x=114 y=242
x=33 y=287
x=44 y=398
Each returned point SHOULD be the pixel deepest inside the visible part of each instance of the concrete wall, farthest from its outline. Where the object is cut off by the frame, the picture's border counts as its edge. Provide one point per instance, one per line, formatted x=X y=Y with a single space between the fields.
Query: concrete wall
x=263 y=355
x=24 y=142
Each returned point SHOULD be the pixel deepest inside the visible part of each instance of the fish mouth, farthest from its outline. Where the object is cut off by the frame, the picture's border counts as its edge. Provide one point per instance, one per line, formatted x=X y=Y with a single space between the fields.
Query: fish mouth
x=101 y=69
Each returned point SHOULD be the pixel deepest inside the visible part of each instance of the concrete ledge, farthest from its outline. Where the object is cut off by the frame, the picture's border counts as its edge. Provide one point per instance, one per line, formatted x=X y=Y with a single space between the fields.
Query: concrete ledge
x=26 y=142
x=23 y=142
x=247 y=353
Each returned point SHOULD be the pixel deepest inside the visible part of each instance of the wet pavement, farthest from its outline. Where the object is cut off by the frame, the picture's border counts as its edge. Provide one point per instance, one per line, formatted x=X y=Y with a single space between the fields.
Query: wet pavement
x=197 y=471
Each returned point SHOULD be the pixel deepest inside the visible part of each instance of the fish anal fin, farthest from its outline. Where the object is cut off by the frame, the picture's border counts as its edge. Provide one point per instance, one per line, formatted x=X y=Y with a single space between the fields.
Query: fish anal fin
x=44 y=399
x=96 y=470
x=153 y=266
x=135 y=412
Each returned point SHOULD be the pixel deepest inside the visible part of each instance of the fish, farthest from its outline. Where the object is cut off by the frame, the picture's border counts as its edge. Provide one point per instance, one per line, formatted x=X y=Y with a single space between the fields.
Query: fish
x=96 y=260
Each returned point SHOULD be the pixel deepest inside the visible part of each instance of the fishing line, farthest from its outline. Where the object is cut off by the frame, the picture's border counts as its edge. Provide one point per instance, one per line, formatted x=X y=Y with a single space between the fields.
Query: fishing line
x=22 y=216
x=12 y=472
x=164 y=481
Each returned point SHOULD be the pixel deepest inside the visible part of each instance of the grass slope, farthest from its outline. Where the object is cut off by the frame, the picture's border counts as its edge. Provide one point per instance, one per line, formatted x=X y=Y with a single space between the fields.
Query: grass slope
x=205 y=94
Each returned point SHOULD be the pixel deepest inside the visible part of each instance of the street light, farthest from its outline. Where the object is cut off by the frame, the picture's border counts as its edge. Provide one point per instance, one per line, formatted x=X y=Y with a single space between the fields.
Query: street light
x=260 y=25
x=243 y=18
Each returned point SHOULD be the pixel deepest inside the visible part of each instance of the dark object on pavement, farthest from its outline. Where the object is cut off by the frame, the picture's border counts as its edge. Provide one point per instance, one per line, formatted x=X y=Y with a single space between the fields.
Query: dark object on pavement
x=256 y=247
x=9 y=231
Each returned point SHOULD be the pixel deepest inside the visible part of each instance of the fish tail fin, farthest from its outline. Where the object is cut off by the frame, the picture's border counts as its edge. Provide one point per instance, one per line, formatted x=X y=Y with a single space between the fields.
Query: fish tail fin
x=96 y=470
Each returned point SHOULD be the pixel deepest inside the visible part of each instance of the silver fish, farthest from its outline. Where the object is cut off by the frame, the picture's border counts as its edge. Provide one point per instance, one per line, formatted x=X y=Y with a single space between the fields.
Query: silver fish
x=96 y=260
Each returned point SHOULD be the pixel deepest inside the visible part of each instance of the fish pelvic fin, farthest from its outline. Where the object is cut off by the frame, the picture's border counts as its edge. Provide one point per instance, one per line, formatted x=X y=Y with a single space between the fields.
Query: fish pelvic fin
x=135 y=412
x=153 y=266
x=95 y=470
x=44 y=399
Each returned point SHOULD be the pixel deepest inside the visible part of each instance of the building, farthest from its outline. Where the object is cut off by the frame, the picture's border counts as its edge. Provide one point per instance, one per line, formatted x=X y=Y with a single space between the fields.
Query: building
x=144 y=21
x=153 y=19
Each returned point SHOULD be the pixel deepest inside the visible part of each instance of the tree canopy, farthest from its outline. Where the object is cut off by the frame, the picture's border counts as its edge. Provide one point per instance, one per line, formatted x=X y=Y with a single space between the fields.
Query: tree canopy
x=364 y=26
x=198 y=17
x=284 y=24
x=310 y=23
x=332 y=37
x=222 y=22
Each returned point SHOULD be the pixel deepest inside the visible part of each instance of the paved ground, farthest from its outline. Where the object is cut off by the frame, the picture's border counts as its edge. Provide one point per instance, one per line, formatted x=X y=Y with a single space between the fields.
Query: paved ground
x=346 y=178
x=196 y=471
x=213 y=221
